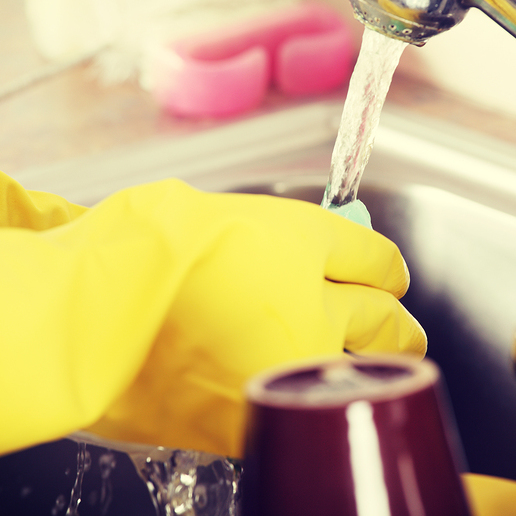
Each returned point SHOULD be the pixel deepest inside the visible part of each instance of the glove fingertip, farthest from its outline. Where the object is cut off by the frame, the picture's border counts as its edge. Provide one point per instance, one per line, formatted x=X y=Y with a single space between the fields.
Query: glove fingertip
x=402 y=279
x=415 y=341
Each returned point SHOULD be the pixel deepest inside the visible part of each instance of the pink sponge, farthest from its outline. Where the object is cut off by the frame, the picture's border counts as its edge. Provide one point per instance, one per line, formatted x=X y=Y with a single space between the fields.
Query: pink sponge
x=302 y=50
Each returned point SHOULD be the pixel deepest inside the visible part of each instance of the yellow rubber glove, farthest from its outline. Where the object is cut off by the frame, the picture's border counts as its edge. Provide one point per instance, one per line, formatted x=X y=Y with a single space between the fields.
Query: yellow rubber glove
x=490 y=496
x=20 y=208
x=142 y=318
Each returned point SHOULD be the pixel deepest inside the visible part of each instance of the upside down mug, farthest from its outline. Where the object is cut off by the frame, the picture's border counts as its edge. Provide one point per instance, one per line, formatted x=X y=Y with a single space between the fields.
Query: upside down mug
x=364 y=437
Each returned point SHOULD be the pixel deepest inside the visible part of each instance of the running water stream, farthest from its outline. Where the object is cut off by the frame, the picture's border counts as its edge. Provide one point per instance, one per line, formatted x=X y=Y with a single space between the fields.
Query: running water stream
x=379 y=56
x=83 y=465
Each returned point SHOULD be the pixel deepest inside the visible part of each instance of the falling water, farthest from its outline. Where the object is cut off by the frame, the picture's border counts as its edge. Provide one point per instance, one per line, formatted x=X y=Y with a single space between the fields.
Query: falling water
x=188 y=483
x=368 y=87
x=83 y=465
x=106 y=463
x=180 y=482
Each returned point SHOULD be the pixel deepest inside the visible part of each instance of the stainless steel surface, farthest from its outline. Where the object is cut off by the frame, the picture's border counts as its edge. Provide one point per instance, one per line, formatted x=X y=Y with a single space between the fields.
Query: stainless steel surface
x=415 y=22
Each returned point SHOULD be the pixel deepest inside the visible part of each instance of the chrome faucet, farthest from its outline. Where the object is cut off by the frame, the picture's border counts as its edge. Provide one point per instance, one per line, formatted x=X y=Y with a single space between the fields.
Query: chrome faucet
x=415 y=21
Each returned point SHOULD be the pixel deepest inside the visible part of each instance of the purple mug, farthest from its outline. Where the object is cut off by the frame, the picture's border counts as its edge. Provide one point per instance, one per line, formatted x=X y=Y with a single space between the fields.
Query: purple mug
x=352 y=437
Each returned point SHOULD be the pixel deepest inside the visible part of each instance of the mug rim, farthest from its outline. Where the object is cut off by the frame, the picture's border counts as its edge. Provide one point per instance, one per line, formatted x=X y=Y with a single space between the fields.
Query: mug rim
x=421 y=375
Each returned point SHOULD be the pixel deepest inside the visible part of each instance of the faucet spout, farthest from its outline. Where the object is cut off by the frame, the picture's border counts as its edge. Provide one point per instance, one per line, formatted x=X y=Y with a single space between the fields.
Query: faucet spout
x=415 y=21
x=502 y=12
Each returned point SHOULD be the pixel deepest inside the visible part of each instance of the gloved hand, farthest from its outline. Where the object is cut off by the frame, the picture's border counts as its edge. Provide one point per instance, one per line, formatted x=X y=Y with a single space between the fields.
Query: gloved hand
x=142 y=318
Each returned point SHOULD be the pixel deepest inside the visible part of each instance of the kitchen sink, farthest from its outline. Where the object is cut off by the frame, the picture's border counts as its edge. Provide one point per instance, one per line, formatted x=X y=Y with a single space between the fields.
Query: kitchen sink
x=447 y=198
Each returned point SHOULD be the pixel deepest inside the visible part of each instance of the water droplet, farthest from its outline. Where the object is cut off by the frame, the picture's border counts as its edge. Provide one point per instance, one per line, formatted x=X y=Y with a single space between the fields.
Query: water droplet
x=187 y=480
x=59 y=505
x=107 y=463
x=200 y=496
x=180 y=496
x=87 y=460
x=25 y=491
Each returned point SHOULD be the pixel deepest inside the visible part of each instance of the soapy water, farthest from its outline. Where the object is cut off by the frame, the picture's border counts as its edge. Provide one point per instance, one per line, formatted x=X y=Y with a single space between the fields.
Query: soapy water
x=368 y=87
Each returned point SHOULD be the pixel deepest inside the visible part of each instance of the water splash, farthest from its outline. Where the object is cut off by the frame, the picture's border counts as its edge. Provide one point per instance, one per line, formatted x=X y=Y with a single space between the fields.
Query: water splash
x=379 y=56
x=180 y=482
x=188 y=483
